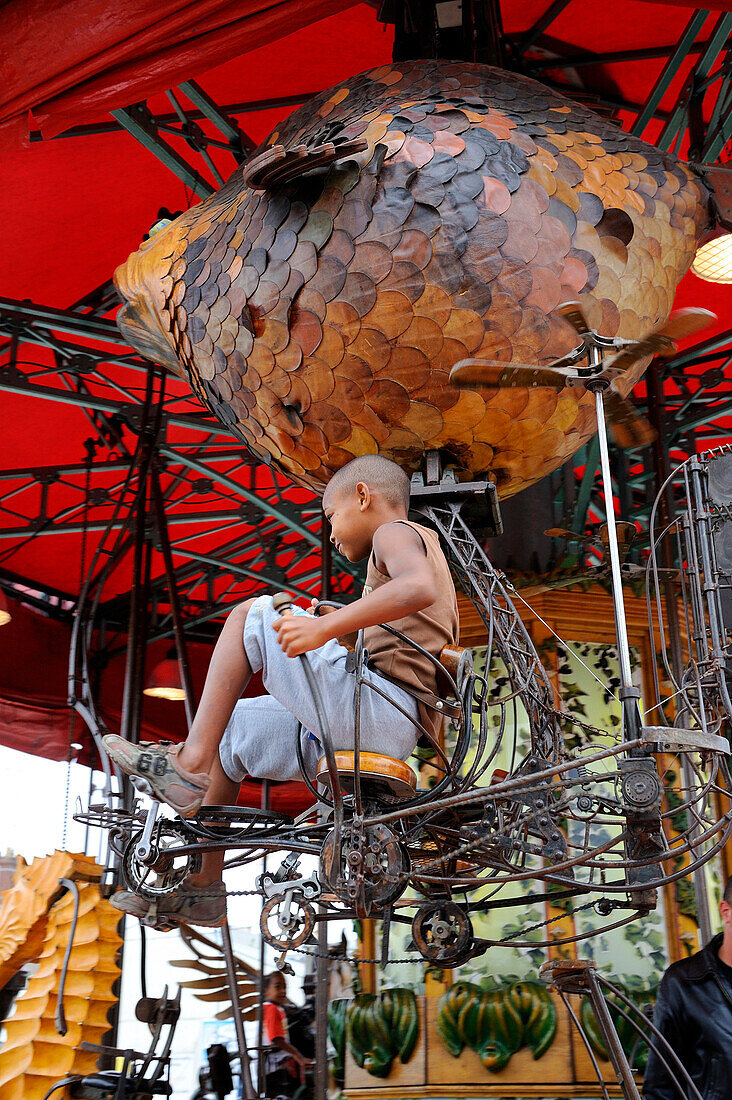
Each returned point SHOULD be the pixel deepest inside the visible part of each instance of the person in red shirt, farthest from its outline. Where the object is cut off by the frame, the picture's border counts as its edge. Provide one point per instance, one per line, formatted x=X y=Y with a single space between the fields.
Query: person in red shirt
x=276 y=1030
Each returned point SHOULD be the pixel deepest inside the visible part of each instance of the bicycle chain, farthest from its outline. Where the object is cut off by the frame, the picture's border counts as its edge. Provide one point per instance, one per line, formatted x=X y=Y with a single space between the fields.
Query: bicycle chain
x=356 y=959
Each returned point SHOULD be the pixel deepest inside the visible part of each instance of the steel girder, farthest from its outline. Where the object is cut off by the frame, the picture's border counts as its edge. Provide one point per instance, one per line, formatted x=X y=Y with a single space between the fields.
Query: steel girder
x=149 y=130
x=199 y=126
x=710 y=71
x=259 y=531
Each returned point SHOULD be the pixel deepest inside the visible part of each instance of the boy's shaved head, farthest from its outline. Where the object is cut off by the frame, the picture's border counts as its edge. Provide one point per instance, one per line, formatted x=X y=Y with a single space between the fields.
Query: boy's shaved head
x=378 y=473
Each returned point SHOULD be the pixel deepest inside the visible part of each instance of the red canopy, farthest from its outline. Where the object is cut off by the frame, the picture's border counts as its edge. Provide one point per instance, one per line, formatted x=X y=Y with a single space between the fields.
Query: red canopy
x=70 y=61
x=75 y=206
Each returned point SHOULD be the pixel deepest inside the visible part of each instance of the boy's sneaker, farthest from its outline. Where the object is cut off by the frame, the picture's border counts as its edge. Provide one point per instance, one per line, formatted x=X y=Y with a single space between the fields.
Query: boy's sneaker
x=200 y=905
x=127 y=901
x=158 y=764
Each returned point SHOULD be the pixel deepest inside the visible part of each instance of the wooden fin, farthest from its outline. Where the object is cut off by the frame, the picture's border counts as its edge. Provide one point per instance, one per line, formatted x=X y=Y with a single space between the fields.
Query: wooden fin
x=277 y=166
x=628 y=427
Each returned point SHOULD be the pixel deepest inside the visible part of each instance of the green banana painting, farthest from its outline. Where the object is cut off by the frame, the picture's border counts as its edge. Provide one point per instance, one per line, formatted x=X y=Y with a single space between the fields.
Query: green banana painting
x=497 y=1023
x=635 y=1049
x=382 y=1027
x=337 y=1036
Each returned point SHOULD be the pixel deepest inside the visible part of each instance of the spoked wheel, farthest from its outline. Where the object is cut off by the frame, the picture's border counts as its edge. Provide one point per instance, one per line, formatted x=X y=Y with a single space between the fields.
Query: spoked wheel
x=286 y=922
x=443 y=933
x=166 y=869
x=371 y=870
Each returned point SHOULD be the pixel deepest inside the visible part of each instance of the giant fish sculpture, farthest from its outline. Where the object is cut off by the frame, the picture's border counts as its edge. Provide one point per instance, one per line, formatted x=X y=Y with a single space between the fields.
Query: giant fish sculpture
x=410 y=218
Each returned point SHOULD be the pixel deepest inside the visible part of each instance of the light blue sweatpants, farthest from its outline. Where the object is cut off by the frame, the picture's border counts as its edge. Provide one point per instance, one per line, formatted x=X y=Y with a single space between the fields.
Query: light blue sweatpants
x=261 y=737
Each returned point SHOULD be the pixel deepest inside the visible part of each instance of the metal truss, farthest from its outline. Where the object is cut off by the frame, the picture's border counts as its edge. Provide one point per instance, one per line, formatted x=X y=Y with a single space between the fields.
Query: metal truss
x=236 y=528
x=688 y=399
x=706 y=89
x=153 y=132
x=506 y=632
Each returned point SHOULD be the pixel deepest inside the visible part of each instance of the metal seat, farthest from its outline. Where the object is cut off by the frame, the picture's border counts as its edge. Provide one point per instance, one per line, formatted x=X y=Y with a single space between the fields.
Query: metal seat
x=382 y=773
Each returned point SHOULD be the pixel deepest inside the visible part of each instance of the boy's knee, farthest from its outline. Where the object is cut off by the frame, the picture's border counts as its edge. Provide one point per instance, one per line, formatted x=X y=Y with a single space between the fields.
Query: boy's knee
x=240 y=612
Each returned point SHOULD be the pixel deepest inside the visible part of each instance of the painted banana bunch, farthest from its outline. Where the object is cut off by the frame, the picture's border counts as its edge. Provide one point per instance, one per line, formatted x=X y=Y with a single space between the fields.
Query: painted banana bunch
x=537 y=1013
x=497 y=1023
x=381 y=1028
x=635 y=1049
x=337 y=1036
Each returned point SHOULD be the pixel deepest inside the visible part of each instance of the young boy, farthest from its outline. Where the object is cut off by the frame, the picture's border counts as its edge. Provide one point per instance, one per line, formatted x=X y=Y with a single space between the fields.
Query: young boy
x=276 y=1031
x=408 y=585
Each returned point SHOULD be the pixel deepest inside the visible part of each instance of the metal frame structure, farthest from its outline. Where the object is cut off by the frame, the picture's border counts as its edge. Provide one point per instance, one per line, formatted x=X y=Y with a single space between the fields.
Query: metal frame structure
x=201 y=141
x=210 y=486
x=189 y=471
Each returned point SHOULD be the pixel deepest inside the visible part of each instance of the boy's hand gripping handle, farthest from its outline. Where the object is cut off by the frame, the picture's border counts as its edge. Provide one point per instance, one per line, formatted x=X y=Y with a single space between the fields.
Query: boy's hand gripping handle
x=282 y=602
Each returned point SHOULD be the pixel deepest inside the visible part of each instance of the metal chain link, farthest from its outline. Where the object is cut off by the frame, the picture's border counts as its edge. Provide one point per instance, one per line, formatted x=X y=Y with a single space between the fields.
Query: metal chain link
x=546 y=923
x=356 y=959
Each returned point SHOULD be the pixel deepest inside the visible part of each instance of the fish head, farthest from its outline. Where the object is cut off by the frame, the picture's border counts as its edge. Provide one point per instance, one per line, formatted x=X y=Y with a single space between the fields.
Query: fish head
x=143 y=282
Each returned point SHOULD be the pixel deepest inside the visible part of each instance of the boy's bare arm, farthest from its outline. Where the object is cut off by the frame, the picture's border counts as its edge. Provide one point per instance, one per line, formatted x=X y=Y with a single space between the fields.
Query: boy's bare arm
x=398 y=552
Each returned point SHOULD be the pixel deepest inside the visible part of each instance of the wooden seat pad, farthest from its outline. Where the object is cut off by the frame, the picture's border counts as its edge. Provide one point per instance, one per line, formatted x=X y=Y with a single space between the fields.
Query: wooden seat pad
x=393 y=773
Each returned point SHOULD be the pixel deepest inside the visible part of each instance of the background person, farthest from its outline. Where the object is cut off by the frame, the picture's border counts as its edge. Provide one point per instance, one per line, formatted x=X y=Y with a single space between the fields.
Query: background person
x=694 y=1014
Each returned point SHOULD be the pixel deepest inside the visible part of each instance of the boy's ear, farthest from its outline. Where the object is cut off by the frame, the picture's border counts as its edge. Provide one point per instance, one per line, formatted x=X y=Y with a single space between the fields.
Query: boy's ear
x=364 y=495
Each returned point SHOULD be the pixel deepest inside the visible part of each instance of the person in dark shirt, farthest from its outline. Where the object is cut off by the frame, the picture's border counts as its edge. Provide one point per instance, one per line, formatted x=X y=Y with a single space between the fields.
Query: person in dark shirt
x=694 y=1014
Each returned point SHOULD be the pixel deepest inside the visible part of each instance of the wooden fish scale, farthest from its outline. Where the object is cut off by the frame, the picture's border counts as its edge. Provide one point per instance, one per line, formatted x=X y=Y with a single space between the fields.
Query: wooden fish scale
x=481 y=201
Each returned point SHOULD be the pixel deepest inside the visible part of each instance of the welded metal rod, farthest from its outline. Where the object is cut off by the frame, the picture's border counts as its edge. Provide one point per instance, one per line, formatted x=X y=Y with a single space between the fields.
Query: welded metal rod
x=660 y=459
x=621 y=628
x=241 y=1039
x=321 y=1010
x=610 y=1035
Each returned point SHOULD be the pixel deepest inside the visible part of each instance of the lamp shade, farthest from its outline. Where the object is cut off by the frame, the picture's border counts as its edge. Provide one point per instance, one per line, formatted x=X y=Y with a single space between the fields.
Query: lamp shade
x=164 y=681
x=5 y=615
x=713 y=259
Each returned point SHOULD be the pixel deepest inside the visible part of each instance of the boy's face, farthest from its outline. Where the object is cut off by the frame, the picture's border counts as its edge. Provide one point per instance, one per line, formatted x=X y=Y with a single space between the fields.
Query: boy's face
x=276 y=990
x=347 y=513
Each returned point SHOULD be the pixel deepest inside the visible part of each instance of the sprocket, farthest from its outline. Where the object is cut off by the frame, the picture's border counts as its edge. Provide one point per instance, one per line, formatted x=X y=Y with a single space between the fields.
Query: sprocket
x=443 y=933
x=165 y=871
x=293 y=917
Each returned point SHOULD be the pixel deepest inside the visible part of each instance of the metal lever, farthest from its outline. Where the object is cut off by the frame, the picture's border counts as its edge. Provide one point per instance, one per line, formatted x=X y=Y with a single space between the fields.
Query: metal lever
x=143 y=849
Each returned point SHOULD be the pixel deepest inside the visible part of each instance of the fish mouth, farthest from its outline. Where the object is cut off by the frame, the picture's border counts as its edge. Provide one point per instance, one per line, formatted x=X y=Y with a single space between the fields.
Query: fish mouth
x=140 y=331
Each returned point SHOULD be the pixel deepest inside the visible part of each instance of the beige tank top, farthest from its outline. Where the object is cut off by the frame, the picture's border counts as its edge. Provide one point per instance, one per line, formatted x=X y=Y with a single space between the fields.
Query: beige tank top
x=433 y=628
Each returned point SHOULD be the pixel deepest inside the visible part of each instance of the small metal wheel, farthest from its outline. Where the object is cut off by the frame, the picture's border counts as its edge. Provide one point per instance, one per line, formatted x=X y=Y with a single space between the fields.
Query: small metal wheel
x=165 y=871
x=286 y=922
x=372 y=871
x=443 y=933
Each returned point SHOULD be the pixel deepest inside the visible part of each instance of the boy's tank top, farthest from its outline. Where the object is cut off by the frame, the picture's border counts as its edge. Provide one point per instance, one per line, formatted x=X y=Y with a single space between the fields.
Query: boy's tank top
x=433 y=628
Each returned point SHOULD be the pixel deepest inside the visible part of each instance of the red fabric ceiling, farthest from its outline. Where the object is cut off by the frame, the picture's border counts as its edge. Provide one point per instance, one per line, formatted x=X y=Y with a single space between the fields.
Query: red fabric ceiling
x=74 y=207
x=102 y=54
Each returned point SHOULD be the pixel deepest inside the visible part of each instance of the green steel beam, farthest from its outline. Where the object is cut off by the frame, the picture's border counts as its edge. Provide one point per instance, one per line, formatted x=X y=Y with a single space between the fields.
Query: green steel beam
x=717 y=40
x=670 y=70
x=242 y=571
x=54 y=525
x=719 y=130
x=614 y=57
x=688 y=357
x=534 y=32
x=584 y=495
x=138 y=122
x=14 y=312
x=241 y=144
x=704 y=417
x=15 y=382
x=285 y=517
